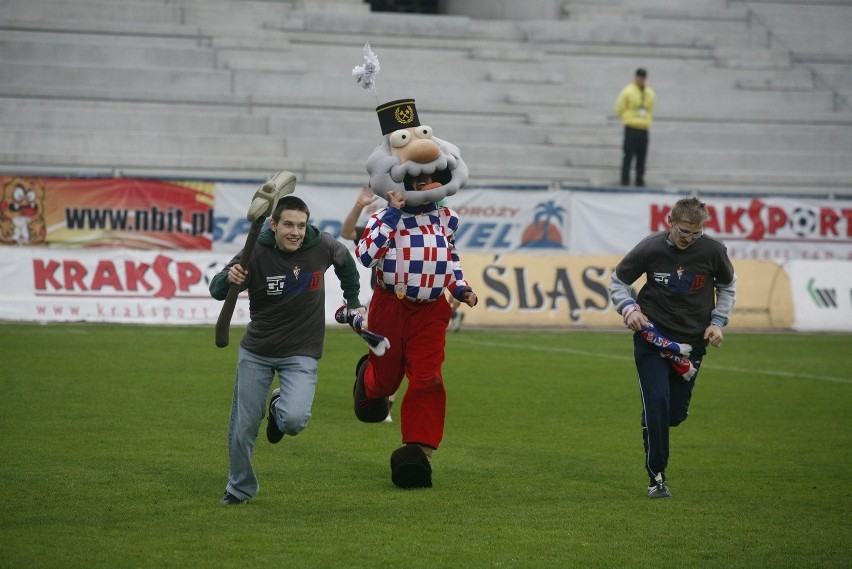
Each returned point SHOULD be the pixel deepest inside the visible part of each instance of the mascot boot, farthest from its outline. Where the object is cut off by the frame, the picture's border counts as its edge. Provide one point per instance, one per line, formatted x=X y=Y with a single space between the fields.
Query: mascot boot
x=410 y=467
x=367 y=410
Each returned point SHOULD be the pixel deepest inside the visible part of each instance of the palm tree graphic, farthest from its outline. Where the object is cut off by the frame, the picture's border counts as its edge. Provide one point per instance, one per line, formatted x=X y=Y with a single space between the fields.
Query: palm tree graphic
x=546 y=213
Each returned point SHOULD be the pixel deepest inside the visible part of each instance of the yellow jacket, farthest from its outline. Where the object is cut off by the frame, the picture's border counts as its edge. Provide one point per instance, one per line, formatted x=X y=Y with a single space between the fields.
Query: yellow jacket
x=635 y=106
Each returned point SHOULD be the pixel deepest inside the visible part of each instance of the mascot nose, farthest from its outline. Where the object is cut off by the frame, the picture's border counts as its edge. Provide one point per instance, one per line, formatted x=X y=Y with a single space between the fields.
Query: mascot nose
x=422 y=151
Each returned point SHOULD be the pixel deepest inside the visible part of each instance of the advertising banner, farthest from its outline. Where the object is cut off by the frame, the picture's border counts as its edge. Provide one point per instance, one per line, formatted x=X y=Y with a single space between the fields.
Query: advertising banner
x=767 y=228
x=512 y=220
x=585 y=222
x=152 y=214
x=492 y=221
x=560 y=291
x=822 y=295
x=515 y=291
x=123 y=286
x=115 y=212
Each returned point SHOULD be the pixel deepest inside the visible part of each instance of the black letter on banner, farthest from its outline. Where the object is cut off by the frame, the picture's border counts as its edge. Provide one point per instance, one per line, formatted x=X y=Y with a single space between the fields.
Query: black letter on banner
x=562 y=288
x=596 y=287
x=521 y=282
x=496 y=286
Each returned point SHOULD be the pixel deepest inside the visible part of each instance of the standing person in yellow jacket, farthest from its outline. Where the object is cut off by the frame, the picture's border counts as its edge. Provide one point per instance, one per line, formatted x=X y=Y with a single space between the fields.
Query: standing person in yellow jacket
x=635 y=107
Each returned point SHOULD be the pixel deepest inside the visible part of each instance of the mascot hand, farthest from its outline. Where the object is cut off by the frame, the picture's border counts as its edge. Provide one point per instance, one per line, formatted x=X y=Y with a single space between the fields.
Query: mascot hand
x=465 y=294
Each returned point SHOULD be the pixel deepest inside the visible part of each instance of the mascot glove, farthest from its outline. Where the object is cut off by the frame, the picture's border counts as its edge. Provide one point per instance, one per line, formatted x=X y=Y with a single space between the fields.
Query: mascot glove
x=460 y=291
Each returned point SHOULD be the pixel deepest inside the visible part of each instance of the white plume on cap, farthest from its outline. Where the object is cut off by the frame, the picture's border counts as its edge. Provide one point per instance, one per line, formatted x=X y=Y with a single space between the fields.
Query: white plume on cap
x=365 y=74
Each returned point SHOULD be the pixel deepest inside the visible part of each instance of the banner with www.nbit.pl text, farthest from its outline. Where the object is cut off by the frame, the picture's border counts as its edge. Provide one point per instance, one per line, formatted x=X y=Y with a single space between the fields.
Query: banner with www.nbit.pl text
x=106 y=212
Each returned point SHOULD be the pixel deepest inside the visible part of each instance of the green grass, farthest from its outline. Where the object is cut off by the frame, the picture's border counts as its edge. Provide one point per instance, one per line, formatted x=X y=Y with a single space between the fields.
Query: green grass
x=113 y=454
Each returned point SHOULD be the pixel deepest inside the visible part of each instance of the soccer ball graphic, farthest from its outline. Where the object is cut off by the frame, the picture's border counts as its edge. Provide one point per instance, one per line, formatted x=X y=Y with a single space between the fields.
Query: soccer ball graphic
x=803 y=221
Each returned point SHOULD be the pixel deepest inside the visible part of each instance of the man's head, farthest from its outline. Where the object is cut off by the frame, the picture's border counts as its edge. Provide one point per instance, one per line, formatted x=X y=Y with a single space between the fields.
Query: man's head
x=641 y=74
x=289 y=223
x=687 y=221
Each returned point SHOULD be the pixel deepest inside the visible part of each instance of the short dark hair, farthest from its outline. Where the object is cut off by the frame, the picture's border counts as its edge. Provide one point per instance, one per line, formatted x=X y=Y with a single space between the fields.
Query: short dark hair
x=690 y=210
x=291 y=203
x=641 y=72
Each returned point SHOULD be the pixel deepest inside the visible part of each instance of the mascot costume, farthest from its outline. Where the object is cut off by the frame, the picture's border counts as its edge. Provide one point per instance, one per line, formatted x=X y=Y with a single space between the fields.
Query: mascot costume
x=410 y=244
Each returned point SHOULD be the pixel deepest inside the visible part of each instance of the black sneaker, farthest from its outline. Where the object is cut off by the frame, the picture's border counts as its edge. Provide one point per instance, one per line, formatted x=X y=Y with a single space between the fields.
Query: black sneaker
x=273 y=433
x=229 y=499
x=657 y=487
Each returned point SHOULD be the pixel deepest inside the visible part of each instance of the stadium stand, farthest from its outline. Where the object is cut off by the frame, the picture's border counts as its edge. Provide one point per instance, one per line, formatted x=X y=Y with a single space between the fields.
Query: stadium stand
x=752 y=96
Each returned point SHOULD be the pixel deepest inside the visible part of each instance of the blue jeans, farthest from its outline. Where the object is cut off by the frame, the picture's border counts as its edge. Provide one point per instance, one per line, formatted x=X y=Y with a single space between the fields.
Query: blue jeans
x=297 y=376
x=665 y=399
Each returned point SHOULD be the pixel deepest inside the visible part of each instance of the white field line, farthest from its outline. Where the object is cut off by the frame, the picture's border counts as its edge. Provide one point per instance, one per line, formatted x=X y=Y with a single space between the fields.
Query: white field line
x=609 y=356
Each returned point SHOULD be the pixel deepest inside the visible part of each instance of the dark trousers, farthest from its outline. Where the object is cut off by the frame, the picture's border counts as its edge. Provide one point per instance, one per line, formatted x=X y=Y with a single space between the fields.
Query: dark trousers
x=665 y=399
x=635 y=144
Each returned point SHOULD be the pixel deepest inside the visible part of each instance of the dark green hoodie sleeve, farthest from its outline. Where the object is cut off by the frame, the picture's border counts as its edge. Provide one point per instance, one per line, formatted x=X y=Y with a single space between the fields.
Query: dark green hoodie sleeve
x=219 y=284
x=347 y=273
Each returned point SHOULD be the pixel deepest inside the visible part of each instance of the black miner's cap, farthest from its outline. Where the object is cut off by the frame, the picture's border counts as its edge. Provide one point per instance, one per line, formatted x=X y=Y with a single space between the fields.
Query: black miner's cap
x=397 y=114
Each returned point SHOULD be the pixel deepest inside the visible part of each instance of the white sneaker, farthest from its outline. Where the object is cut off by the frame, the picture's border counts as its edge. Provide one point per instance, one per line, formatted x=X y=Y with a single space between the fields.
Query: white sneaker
x=657 y=487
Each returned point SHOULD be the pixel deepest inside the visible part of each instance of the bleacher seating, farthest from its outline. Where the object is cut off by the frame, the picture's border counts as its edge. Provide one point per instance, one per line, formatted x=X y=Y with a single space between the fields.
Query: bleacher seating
x=752 y=96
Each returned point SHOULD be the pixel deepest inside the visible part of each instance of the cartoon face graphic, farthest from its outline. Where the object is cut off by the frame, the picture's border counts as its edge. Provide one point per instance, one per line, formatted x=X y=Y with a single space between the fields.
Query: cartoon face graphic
x=410 y=160
x=22 y=212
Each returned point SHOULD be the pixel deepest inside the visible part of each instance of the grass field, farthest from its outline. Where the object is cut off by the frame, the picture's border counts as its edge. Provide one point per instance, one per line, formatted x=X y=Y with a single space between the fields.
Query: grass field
x=113 y=454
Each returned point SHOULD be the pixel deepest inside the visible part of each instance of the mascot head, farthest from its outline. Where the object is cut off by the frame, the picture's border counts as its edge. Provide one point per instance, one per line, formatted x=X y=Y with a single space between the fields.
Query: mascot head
x=424 y=168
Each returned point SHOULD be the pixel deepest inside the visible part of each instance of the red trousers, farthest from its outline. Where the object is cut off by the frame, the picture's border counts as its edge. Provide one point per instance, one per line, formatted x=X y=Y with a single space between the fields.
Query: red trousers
x=418 y=335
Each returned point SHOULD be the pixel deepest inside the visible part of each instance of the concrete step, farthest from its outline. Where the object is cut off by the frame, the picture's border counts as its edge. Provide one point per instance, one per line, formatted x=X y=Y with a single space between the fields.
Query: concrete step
x=708 y=33
x=737 y=103
x=99 y=54
x=43 y=80
x=627 y=52
x=306 y=148
x=105 y=40
x=204 y=167
x=800 y=183
x=243 y=14
x=383 y=24
x=152 y=146
x=738 y=159
x=95 y=116
x=139 y=11
x=761 y=137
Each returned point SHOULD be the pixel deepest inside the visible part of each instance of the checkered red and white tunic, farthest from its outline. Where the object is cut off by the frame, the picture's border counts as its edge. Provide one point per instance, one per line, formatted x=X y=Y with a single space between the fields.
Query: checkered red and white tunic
x=422 y=238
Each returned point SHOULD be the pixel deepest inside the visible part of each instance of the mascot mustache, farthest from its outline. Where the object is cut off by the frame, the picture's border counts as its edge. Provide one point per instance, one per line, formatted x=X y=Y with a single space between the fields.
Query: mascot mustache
x=387 y=172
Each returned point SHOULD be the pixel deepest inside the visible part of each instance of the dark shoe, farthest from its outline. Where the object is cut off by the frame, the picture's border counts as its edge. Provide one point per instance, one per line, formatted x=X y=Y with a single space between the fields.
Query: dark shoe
x=410 y=467
x=229 y=499
x=367 y=410
x=640 y=183
x=273 y=433
x=657 y=487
